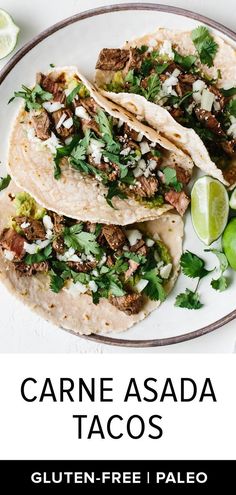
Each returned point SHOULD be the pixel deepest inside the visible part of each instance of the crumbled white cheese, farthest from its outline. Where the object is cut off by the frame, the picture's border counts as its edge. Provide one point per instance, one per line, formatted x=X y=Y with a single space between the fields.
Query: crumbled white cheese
x=93 y=286
x=68 y=140
x=142 y=283
x=166 y=49
x=81 y=113
x=152 y=164
x=95 y=273
x=52 y=106
x=216 y=106
x=9 y=255
x=171 y=81
x=52 y=143
x=137 y=172
x=102 y=260
x=150 y=242
x=198 y=87
x=77 y=288
x=232 y=130
x=176 y=73
x=31 y=248
x=49 y=234
x=140 y=169
x=43 y=244
x=145 y=148
x=24 y=225
x=207 y=100
x=61 y=120
x=47 y=222
x=125 y=151
x=133 y=236
x=68 y=123
x=165 y=271
x=95 y=149
x=139 y=137
x=66 y=255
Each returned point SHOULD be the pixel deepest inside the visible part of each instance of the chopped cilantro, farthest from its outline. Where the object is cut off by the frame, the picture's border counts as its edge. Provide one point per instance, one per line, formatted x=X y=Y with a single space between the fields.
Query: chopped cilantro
x=193 y=266
x=204 y=44
x=105 y=126
x=62 y=152
x=114 y=190
x=153 y=87
x=185 y=61
x=142 y=49
x=33 y=97
x=188 y=300
x=138 y=258
x=4 y=182
x=231 y=107
x=220 y=283
x=154 y=289
x=171 y=178
x=146 y=67
x=56 y=282
x=75 y=238
x=228 y=92
x=160 y=68
x=42 y=255
x=73 y=93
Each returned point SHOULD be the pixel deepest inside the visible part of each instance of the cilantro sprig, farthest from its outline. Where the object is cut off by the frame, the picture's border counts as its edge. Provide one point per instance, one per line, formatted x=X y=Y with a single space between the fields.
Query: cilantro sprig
x=221 y=283
x=204 y=44
x=76 y=238
x=171 y=179
x=34 y=98
x=193 y=267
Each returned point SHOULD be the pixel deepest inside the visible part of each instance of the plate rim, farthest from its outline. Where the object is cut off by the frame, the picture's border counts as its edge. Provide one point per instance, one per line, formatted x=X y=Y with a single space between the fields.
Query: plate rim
x=102 y=339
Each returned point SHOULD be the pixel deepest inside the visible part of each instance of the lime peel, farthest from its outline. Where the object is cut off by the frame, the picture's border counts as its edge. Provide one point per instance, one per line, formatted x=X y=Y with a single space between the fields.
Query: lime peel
x=232 y=201
x=8 y=34
x=209 y=209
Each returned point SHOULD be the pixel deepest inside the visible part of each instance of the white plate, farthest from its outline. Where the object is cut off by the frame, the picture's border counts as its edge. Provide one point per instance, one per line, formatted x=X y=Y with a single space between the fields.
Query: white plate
x=78 y=40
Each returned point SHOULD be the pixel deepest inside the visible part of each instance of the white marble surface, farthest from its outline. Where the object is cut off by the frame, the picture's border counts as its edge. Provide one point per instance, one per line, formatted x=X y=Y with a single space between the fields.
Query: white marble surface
x=19 y=332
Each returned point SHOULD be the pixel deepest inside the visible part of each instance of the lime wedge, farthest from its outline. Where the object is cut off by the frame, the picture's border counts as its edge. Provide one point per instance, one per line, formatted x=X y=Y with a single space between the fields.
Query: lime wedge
x=232 y=201
x=8 y=34
x=229 y=243
x=209 y=209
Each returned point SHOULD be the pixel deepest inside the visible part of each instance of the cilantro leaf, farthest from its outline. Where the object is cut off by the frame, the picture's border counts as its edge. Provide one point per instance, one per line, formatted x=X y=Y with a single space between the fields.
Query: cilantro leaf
x=116 y=289
x=138 y=258
x=73 y=93
x=193 y=266
x=186 y=61
x=56 y=282
x=62 y=152
x=154 y=289
x=228 y=92
x=115 y=159
x=106 y=128
x=42 y=255
x=146 y=66
x=171 y=178
x=79 y=151
x=188 y=300
x=33 y=97
x=4 y=182
x=231 y=107
x=160 y=68
x=204 y=44
x=153 y=87
x=86 y=242
x=142 y=49
x=114 y=190
x=220 y=283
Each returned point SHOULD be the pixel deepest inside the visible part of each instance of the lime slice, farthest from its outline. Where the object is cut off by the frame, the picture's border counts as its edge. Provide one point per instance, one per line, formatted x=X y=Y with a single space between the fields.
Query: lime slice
x=8 y=34
x=232 y=201
x=209 y=209
x=229 y=243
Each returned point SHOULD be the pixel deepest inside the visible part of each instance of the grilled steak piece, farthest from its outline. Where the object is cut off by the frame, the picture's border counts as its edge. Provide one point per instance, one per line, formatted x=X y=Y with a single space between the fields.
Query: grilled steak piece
x=177 y=113
x=90 y=227
x=140 y=248
x=42 y=124
x=30 y=270
x=110 y=261
x=146 y=187
x=58 y=222
x=47 y=83
x=130 y=303
x=90 y=105
x=133 y=266
x=33 y=229
x=60 y=97
x=179 y=200
x=229 y=147
x=131 y=133
x=14 y=242
x=84 y=267
x=112 y=59
x=135 y=59
x=114 y=236
x=58 y=245
x=63 y=131
x=187 y=78
x=209 y=121
x=92 y=125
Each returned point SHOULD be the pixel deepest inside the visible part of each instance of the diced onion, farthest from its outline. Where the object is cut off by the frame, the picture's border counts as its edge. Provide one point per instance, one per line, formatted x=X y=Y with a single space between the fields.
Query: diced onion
x=68 y=123
x=141 y=284
x=150 y=242
x=81 y=113
x=207 y=100
x=52 y=106
x=133 y=236
x=47 y=222
x=145 y=148
x=165 y=271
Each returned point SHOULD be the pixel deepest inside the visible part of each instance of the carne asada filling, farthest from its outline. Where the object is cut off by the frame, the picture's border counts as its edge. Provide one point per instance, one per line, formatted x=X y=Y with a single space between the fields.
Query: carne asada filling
x=79 y=132
x=123 y=265
x=178 y=83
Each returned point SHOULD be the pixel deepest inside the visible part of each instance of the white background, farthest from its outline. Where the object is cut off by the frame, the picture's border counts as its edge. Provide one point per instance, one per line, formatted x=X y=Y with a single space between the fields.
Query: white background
x=16 y=331
x=46 y=430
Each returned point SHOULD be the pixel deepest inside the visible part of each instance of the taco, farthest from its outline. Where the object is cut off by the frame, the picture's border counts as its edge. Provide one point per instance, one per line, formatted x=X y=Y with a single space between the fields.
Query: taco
x=82 y=276
x=75 y=152
x=189 y=82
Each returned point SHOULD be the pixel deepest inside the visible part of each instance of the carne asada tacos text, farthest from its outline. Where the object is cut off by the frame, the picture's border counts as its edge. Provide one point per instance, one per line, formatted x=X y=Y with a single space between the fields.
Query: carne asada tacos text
x=189 y=80
x=86 y=277
x=76 y=153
